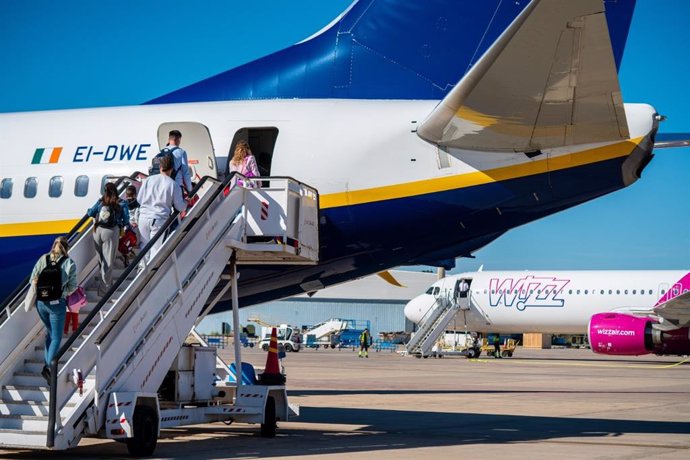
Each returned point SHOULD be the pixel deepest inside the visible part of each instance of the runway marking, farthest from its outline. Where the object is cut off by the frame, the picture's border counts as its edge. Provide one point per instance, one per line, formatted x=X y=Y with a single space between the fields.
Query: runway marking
x=561 y=363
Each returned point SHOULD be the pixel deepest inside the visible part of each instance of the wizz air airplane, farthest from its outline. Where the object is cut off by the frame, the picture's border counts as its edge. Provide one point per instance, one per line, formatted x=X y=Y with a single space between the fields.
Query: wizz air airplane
x=477 y=116
x=624 y=312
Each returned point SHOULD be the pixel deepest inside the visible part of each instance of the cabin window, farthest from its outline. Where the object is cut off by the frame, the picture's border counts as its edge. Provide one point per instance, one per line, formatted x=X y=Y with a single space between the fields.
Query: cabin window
x=663 y=291
x=586 y=291
x=55 y=187
x=626 y=292
x=30 y=187
x=81 y=186
x=104 y=181
x=618 y=291
x=6 y=189
x=634 y=291
x=601 y=292
x=650 y=292
x=578 y=292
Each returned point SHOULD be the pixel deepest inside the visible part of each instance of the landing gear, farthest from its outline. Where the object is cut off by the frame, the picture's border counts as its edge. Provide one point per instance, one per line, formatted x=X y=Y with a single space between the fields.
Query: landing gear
x=145 y=431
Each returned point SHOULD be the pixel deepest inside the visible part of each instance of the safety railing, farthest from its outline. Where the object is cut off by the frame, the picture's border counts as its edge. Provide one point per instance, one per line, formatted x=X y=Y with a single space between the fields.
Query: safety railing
x=179 y=233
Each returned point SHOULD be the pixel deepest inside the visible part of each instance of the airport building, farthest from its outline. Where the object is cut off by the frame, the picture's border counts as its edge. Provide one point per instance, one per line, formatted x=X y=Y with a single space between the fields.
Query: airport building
x=367 y=299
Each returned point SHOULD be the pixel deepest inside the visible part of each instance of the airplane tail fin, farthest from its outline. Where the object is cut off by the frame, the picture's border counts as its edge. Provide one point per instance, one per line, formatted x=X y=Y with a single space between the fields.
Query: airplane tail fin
x=383 y=49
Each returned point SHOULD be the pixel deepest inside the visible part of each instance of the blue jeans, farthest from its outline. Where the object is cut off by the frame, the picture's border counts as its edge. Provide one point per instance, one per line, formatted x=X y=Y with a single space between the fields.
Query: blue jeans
x=53 y=316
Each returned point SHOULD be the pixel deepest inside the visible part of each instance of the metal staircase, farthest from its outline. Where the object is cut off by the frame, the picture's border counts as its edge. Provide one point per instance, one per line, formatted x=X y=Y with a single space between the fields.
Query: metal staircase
x=129 y=338
x=432 y=325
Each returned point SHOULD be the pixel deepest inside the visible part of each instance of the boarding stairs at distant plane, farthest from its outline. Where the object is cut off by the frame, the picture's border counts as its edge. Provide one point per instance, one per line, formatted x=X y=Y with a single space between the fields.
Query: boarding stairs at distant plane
x=433 y=324
x=129 y=338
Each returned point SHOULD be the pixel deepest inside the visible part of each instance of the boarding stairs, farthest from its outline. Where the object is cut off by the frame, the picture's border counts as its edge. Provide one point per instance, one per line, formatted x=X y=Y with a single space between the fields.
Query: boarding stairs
x=129 y=338
x=432 y=325
x=327 y=328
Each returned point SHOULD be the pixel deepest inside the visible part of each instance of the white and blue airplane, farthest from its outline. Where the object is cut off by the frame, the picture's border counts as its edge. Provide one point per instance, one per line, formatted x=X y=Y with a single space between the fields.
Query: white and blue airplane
x=476 y=116
x=624 y=312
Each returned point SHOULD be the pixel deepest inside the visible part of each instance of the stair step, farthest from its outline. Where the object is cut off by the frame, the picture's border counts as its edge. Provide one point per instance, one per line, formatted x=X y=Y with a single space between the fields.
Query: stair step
x=24 y=422
x=28 y=379
x=22 y=438
x=24 y=408
x=35 y=366
x=18 y=393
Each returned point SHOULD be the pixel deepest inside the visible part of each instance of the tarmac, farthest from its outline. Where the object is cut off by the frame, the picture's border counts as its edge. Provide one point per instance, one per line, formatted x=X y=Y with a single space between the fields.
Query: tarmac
x=537 y=404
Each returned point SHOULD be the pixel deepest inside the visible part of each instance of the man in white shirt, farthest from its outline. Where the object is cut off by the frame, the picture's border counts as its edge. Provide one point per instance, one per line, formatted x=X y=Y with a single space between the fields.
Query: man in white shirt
x=158 y=195
x=183 y=177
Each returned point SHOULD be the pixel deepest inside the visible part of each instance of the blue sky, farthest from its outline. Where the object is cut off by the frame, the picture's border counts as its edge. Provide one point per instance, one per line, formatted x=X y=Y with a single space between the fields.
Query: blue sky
x=85 y=53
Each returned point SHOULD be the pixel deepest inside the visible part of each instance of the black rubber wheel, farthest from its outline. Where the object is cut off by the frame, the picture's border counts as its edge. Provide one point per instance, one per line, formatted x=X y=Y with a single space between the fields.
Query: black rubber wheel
x=471 y=353
x=270 y=425
x=288 y=348
x=264 y=347
x=332 y=346
x=510 y=354
x=145 y=431
x=505 y=354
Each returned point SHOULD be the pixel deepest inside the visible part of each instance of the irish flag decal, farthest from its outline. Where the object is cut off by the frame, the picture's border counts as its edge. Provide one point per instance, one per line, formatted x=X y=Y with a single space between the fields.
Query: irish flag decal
x=46 y=155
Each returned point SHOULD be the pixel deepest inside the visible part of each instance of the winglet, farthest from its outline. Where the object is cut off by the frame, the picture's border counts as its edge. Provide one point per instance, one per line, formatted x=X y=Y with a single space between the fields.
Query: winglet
x=390 y=279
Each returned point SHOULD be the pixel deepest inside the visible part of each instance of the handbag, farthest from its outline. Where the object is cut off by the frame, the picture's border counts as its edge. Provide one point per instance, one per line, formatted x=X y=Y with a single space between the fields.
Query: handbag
x=76 y=300
x=30 y=299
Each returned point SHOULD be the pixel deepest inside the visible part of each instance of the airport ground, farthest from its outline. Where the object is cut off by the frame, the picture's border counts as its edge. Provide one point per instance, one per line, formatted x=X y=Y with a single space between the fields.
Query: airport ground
x=538 y=404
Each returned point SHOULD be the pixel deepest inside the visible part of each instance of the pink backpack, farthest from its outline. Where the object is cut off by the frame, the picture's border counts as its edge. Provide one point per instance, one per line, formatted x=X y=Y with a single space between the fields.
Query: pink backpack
x=76 y=300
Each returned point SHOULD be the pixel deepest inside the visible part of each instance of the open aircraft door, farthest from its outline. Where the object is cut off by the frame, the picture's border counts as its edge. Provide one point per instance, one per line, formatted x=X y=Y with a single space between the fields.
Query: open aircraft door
x=196 y=140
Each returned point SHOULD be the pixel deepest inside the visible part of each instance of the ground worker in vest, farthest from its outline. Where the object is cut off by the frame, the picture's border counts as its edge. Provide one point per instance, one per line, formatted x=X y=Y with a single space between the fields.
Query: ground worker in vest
x=54 y=277
x=364 y=343
x=497 y=346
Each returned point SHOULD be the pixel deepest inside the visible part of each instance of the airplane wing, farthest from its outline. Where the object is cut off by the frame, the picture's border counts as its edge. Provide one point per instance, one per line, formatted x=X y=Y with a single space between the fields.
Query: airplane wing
x=675 y=311
x=671 y=140
x=549 y=80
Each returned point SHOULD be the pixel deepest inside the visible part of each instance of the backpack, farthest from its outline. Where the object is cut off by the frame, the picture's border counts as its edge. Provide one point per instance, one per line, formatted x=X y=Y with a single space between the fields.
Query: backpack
x=106 y=217
x=49 y=285
x=127 y=242
x=155 y=167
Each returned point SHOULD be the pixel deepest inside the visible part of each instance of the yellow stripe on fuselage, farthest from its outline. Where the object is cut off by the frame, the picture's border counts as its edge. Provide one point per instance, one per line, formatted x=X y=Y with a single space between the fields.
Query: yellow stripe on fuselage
x=442 y=184
x=37 y=228
x=389 y=192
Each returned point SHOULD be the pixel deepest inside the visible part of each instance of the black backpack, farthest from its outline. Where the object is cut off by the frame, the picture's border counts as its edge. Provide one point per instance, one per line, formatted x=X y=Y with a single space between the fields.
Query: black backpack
x=106 y=217
x=49 y=286
x=155 y=167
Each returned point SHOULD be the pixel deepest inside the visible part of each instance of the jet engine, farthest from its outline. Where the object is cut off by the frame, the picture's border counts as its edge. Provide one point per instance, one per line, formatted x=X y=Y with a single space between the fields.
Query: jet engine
x=621 y=334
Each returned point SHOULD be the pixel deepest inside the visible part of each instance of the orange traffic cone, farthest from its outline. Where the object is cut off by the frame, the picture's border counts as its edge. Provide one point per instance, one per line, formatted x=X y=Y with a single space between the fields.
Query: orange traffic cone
x=272 y=375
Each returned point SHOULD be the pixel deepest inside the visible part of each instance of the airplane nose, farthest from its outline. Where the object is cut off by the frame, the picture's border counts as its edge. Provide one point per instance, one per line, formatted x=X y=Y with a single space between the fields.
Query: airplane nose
x=417 y=308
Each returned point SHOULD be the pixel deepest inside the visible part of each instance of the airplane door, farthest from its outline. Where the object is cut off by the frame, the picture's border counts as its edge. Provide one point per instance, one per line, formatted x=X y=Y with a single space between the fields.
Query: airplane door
x=462 y=293
x=663 y=289
x=196 y=140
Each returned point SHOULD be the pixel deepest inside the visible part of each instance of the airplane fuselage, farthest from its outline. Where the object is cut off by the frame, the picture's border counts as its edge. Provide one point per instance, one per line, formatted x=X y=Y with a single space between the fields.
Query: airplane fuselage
x=551 y=301
x=387 y=198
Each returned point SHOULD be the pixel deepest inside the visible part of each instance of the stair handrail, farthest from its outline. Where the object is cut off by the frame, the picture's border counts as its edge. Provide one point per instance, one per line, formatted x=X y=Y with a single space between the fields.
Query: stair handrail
x=52 y=414
x=20 y=291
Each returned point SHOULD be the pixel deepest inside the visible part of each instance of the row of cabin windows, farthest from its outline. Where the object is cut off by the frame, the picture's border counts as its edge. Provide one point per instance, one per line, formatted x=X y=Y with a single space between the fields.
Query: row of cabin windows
x=435 y=291
x=55 y=186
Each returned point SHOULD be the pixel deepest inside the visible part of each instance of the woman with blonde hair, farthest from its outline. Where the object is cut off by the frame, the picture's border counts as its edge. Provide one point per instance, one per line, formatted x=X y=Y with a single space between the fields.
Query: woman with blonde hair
x=55 y=277
x=243 y=160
